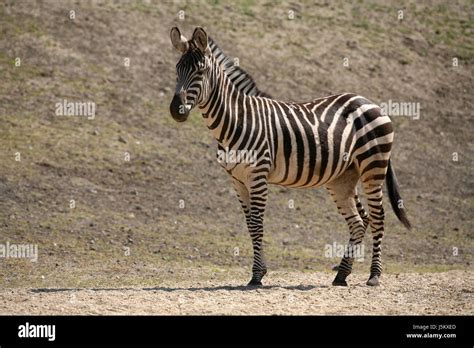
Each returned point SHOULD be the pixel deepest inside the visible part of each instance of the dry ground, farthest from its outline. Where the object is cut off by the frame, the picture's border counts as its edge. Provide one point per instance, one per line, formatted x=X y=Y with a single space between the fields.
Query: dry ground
x=128 y=229
x=290 y=293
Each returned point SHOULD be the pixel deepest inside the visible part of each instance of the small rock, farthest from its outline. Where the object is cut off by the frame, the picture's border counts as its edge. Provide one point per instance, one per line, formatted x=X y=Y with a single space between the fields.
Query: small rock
x=122 y=139
x=351 y=44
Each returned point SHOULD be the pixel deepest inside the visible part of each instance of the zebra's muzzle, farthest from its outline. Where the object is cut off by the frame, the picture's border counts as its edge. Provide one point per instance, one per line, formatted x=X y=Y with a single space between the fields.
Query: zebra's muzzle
x=178 y=109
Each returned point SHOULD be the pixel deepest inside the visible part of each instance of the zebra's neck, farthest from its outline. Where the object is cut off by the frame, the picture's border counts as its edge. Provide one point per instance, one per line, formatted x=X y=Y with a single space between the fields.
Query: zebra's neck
x=223 y=111
x=239 y=77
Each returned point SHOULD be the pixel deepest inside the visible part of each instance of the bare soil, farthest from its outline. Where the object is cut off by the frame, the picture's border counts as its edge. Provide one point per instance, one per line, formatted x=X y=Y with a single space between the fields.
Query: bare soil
x=128 y=228
x=287 y=293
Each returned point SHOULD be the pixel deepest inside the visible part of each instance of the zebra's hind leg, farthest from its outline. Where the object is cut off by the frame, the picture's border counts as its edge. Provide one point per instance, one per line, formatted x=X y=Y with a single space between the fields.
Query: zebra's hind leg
x=343 y=192
x=253 y=203
x=373 y=190
x=364 y=216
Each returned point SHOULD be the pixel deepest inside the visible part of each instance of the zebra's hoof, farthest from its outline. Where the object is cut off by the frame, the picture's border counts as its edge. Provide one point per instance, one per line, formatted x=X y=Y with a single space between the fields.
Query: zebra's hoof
x=340 y=279
x=255 y=283
x=373 y=281
x=339 y=282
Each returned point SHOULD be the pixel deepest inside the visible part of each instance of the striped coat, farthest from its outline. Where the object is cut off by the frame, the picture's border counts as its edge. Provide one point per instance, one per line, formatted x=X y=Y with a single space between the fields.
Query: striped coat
x=335 y=142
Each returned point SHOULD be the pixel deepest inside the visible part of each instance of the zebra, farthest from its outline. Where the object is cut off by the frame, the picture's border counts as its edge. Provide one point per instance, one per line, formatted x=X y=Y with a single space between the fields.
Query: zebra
x=332 y=142
x=244 y=82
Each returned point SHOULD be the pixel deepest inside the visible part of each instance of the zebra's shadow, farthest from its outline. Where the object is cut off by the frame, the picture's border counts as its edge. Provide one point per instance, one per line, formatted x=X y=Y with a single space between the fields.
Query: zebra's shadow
x=236 y=288
x=171 y=289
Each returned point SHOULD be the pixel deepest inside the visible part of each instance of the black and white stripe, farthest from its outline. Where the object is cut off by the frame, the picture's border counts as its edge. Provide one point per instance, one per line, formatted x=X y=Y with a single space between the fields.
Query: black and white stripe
x=335 y=142
x=238 y=76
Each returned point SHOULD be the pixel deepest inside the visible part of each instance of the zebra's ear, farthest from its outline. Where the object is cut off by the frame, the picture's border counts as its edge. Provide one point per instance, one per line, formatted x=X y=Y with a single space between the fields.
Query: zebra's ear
x=200 y=39
x=179 y=41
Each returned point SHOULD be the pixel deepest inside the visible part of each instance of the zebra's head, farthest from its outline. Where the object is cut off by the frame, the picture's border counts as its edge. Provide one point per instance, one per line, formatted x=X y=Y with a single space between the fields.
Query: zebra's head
x=192 y=72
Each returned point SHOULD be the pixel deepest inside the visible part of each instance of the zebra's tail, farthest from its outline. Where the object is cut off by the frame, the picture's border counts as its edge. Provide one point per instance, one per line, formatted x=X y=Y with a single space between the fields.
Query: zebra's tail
x=395 y=198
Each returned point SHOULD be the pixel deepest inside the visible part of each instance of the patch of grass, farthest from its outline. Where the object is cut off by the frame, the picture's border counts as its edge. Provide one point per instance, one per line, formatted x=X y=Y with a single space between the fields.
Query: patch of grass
x=12 y=27
x=145 y=8
x=246 y=7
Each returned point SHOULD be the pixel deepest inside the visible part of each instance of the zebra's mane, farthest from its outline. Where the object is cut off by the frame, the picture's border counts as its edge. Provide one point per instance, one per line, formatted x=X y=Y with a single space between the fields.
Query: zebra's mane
x=239 y=77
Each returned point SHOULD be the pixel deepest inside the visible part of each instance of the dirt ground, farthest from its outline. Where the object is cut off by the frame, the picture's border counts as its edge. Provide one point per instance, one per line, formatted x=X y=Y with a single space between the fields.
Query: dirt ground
x=151 y=205
x=287 y=293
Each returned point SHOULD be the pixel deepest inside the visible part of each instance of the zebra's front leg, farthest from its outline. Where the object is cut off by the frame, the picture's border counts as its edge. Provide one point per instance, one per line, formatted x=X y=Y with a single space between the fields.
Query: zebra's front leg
x=244 y=198
x=258 y=193
x=254 y=209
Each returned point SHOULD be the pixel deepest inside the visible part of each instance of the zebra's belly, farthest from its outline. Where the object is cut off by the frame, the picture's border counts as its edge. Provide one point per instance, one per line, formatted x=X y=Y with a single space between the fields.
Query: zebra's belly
x=309 y=173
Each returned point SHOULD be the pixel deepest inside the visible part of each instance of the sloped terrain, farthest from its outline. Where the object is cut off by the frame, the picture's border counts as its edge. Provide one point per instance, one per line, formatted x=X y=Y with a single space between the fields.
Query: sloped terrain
x=169 y=213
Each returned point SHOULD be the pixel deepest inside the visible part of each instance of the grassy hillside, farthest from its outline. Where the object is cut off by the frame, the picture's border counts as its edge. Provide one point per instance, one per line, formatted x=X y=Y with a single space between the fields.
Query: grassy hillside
x=127 y=226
